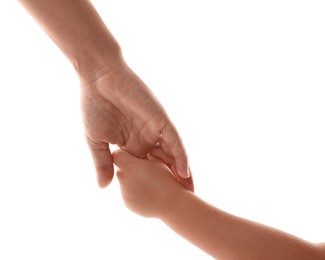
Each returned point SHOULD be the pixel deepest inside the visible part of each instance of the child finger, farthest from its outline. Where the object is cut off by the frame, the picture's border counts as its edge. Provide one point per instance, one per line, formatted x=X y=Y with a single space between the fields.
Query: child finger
x=157 y=152
x=122 y=159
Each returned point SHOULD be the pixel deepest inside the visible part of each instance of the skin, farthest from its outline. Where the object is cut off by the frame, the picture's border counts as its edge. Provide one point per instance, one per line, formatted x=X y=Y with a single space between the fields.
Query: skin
x=117 y=106
x=149 y=189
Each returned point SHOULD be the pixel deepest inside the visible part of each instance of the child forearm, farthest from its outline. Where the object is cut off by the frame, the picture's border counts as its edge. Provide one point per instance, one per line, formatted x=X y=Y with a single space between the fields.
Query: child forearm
x=77 y=29
x=225 y=236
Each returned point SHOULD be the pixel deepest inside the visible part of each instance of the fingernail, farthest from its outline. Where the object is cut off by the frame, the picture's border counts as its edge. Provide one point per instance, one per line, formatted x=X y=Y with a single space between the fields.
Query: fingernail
x=185 y=174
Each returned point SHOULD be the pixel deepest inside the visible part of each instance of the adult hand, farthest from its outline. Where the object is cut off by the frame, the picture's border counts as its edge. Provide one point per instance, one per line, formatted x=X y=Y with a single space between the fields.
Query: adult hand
x=118 y=108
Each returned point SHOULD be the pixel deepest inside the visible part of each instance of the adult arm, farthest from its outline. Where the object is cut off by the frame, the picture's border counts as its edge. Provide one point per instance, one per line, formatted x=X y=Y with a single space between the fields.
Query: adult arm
x=117 y=106
x=77 y=29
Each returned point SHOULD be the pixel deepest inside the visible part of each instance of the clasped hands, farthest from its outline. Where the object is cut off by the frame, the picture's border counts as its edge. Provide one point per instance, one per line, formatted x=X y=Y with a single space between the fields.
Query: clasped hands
x=118 y=108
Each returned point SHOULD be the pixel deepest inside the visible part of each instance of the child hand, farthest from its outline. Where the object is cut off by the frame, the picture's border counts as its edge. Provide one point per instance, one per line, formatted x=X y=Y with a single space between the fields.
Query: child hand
x=147 y=185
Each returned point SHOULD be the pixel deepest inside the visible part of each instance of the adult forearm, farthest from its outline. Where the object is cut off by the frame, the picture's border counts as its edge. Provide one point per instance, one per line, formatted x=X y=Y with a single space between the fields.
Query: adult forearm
x=78 y=30
x=225 y=236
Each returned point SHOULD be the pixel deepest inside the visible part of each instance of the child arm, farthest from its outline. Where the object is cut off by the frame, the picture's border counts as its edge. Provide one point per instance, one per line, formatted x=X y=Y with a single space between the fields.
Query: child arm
x=149 y=190
x=226 y=236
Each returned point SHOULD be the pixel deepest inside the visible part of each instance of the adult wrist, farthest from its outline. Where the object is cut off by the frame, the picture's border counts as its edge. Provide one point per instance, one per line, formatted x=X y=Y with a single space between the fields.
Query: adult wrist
x=94 y=63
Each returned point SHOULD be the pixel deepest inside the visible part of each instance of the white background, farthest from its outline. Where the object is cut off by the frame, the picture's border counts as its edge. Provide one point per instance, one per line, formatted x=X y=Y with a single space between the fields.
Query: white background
x=242 y=80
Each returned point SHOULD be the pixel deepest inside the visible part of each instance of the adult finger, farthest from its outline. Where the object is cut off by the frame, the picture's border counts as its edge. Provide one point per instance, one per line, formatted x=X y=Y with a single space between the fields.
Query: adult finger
x=103 y=162
x=172 y=145
x=188 y=182
x=158 y=155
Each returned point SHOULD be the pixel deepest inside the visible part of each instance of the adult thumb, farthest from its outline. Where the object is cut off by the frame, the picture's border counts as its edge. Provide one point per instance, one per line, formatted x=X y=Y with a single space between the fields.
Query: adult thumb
x=103 y=162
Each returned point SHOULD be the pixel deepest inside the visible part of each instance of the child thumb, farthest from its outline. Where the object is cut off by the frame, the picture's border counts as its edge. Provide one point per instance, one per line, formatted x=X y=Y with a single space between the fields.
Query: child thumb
x=122 y=158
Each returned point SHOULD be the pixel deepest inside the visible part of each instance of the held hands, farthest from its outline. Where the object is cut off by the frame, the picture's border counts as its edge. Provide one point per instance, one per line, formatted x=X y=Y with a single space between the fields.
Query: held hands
x=147 y=185
x=118 y=108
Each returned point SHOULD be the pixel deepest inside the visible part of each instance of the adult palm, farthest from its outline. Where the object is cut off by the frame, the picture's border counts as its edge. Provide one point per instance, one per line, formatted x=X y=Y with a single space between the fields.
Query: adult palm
x=118 y=108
